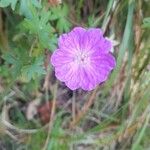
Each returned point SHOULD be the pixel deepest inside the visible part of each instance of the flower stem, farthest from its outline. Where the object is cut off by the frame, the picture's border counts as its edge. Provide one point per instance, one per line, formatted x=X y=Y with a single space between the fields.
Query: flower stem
x=74 y=106
x=85 y=108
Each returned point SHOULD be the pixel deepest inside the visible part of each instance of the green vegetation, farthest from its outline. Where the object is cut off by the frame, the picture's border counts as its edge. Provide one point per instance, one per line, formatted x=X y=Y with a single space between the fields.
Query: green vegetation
x=36 y=110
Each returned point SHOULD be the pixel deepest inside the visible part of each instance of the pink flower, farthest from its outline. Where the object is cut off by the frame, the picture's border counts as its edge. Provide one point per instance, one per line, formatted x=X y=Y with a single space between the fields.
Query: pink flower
x=82 y=59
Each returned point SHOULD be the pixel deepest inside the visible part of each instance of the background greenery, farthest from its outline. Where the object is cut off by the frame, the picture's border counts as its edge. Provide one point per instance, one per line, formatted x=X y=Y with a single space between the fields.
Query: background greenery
x=116 y=116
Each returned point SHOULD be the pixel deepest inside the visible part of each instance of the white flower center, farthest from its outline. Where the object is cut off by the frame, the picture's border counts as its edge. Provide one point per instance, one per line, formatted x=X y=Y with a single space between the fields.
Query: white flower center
x=82 y=58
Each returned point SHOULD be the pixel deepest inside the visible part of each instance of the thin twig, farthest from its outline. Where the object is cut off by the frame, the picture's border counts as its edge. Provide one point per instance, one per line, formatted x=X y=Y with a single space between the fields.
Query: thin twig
x=52 y=117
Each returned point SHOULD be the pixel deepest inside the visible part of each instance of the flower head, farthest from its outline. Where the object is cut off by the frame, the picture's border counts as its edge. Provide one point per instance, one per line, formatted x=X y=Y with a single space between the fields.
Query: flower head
x=82 y=59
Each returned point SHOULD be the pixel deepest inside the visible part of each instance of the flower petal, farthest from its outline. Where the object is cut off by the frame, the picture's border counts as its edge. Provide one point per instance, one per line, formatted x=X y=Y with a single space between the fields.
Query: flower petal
x=59 y=57
x=104 y=60
x=88 y=80
x=73 y=82
x=103 y=65
x=90 y=38
x=83 y=59
x=71 y=41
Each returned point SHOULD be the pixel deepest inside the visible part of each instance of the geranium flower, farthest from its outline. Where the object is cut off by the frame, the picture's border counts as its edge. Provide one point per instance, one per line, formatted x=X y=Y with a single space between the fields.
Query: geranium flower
x=83 y=59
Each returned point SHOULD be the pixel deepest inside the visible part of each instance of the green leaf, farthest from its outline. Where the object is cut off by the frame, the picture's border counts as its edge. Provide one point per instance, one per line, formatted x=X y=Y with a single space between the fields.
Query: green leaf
x=14 y=59
x=63 y=25
x=5 y=3
x=25 y=6
x=39 y=26
x=146 y=22
x=60 y=14
x=36 y=68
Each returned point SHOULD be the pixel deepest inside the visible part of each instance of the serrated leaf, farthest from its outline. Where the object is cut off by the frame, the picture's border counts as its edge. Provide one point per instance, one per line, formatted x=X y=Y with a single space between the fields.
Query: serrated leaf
x=60 y=14
x=34 y=69
x=29 y=25
x=25 y=6
x=5 y=3
x=63 y=25
x=16 y=58
x=40 y=26
x=15 y=62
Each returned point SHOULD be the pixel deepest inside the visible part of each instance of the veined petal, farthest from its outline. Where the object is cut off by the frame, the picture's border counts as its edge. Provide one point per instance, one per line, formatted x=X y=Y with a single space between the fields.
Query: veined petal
x=83 y=59
x=104 y=60
x=71 y=41
x=59 y=57
x=88 y=80
x=90 y=38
